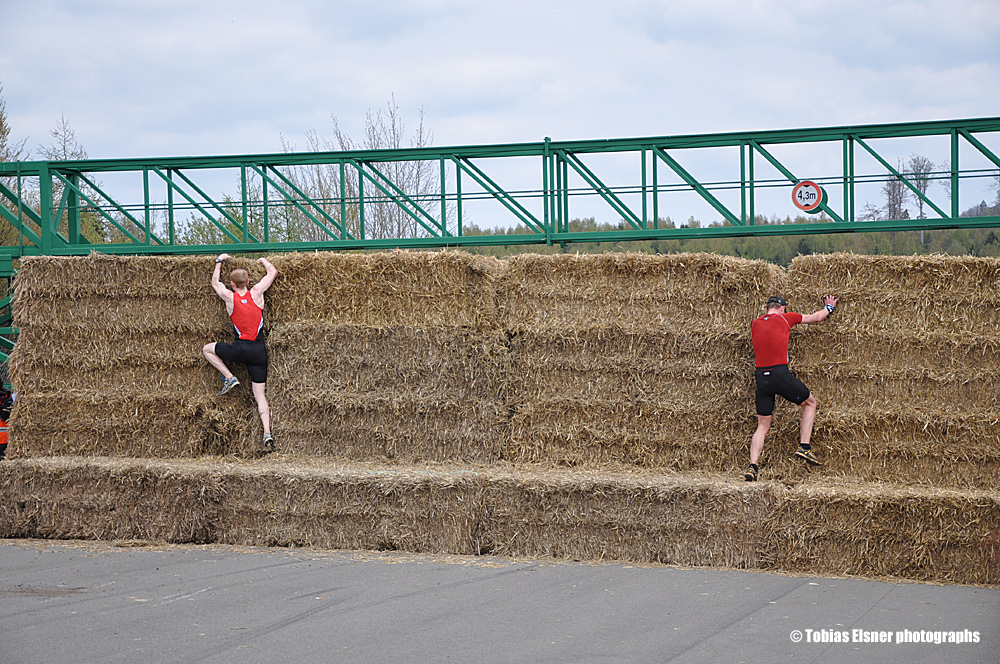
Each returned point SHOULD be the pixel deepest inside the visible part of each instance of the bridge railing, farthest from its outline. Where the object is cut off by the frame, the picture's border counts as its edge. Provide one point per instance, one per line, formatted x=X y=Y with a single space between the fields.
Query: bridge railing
x=434 y=197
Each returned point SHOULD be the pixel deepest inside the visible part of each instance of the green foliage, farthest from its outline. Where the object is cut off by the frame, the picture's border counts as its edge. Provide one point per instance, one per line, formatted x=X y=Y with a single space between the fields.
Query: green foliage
x=778 y=249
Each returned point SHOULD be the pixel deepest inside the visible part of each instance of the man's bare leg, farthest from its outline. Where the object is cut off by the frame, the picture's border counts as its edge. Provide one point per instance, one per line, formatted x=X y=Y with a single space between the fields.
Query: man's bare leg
x=808 y=418
x=209 y=352
x=262 y=408
x=757 y=442
x=805 y=432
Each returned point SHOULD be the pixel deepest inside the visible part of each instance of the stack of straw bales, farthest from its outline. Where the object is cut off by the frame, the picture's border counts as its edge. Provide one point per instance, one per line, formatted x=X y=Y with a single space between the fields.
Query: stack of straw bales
x=109 y=359
x=565 y=360
x=816 y=527
x=906 y=370
x=568 y=406
x=394 y=356
x=631 y=359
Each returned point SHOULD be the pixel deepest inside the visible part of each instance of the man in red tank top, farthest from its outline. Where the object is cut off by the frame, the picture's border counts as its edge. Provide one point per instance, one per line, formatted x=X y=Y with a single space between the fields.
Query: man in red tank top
x=245 y=307
x=770 y=334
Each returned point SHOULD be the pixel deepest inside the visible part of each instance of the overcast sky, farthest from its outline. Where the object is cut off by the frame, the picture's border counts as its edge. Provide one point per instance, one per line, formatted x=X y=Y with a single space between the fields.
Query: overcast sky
x=149 y=78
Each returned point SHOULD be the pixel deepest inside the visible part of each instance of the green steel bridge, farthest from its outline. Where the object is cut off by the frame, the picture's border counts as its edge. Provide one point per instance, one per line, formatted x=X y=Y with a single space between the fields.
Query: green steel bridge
x=429 y=197
x=422 y=197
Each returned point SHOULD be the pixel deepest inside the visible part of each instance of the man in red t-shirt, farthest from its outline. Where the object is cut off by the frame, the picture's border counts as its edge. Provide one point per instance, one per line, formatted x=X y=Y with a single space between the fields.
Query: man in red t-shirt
x=245 y=307
x=770 y=335
x=6 y=404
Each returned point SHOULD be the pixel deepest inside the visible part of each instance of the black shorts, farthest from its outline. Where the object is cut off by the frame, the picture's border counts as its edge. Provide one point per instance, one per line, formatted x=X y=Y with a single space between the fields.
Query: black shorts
x=777 y=380
x=251 y=353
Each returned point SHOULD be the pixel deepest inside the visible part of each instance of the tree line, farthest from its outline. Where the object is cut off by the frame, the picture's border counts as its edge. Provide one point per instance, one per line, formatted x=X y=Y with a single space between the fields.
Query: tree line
x=777 y=249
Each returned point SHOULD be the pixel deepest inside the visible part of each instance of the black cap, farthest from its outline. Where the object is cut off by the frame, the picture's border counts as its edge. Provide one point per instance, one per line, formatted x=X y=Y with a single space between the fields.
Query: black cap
x=776 y=300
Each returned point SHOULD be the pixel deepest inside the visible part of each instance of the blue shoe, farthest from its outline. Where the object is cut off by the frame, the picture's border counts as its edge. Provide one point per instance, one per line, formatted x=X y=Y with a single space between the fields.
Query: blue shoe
x=229 y=384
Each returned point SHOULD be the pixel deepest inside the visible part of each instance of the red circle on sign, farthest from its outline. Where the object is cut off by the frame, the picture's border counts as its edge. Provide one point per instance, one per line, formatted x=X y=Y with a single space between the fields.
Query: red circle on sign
x=807 y=195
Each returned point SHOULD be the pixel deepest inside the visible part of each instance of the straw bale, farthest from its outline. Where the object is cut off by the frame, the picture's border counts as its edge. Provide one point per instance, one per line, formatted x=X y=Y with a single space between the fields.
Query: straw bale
x=878 y=530
x=121 y=499
x=399 y=288
x=102 y=360
x=73 y=498
x=672 y=519
x=416 y=511
x=911 y=294
x=109 y=350
x=835 y=390
x=649 y=434
x=609 y=363
x=133 y=424
x=814 y=527
x=901 y=445
x=173 y=384
x=403 y=429
x=454 y=363
x=106 y=276
x=832 y=347
x=124 y=298
x=934 y=277
x=128 y=317
x=634 y=292
x=399 y=393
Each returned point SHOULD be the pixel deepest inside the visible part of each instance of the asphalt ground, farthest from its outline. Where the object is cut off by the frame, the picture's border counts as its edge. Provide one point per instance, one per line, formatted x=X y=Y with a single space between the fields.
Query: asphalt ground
x=85 y=602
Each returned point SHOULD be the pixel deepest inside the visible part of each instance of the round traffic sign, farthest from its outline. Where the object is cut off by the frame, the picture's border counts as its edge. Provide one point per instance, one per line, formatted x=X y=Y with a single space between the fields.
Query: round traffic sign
x=808 y=196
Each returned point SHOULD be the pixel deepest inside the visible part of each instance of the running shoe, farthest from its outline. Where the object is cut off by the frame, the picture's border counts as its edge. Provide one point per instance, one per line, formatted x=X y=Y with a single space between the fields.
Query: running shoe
x=229 y=384
x=267 y=444
x=751 y=474
x=809 y=457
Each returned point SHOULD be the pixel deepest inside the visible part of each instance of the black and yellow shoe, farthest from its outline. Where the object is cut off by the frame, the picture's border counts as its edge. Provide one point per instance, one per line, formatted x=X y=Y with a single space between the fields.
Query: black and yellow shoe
x=751 y=474
x=808 y=456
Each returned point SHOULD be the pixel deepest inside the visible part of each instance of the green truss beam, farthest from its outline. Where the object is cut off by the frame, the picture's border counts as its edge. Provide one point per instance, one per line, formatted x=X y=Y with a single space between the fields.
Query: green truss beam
x=39 y=199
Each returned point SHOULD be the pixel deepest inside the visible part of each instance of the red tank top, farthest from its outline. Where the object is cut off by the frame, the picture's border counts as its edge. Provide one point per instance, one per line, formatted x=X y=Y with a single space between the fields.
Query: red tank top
x=247 y=317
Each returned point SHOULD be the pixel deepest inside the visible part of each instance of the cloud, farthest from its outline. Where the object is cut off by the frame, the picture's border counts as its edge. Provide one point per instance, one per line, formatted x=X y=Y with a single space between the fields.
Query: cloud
x=195 y=77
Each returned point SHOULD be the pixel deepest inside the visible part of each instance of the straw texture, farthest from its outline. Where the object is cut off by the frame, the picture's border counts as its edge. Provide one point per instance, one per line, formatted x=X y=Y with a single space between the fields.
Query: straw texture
x=816 y=526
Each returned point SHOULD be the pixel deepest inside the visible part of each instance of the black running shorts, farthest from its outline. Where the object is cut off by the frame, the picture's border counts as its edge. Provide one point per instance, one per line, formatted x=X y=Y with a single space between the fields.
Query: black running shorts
x=251 y=353
x=778 y=380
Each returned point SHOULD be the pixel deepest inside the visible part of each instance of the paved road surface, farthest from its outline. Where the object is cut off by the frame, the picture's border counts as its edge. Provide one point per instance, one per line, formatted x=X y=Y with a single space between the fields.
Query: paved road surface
x=74 y=602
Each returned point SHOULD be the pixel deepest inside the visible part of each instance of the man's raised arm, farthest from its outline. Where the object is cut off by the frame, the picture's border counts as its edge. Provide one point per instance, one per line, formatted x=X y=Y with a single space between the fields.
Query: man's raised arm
x=269 y=277
x=829 y=304
x=217 y=285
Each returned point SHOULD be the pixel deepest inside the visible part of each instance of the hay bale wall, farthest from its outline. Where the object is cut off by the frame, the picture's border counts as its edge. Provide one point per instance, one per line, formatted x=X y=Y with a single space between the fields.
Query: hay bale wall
x=630 y=358
x=568 y=360
x=906 y=370
x=391 y=356
x=109 y=360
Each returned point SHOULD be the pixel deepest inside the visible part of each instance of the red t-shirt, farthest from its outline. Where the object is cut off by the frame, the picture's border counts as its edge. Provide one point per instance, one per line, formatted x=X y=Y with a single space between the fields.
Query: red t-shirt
x=247 y=317
x=770 y=337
